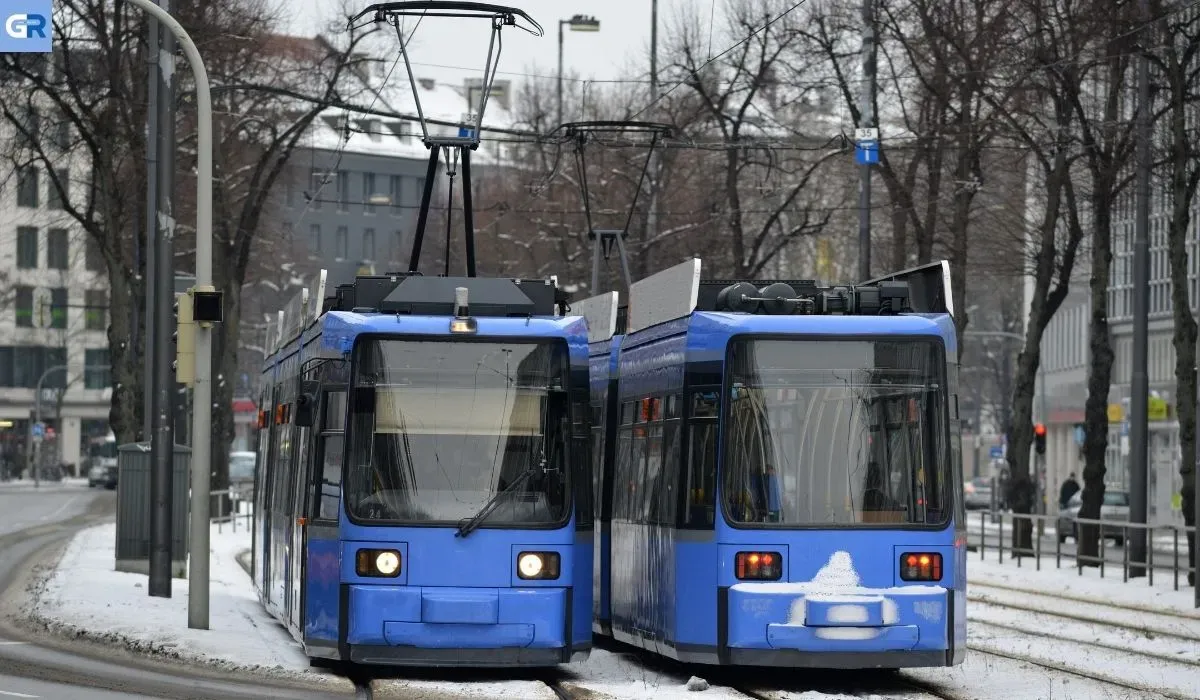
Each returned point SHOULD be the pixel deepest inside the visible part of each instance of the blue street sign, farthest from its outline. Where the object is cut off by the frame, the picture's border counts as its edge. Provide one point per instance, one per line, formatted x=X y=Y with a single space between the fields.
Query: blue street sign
x=867 y=152
x=464 y=132
x=997 y=452
x=39 y=429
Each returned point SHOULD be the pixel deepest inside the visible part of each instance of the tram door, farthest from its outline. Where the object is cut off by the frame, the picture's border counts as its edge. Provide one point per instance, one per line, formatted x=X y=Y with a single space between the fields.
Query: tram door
x=298 y=531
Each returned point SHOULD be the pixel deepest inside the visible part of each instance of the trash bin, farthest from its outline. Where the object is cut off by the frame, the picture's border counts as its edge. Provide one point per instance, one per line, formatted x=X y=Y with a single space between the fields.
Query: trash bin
x=134 y=504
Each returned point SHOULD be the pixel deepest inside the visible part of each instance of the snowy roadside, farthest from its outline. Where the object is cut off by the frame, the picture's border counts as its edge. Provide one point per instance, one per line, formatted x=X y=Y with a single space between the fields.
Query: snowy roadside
x=30 y=484
x=86 y=598
x=1088 y=586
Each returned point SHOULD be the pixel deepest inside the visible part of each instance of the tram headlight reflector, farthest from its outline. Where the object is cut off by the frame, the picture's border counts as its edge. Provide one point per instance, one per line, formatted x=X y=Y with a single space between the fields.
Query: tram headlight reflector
x=377 y=562
x=538 y=565
x=759 y=566
x=920 y=566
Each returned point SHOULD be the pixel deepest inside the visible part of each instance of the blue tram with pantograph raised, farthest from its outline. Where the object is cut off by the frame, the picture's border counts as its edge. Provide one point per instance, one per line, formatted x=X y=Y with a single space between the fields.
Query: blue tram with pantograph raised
x=779 y=471
x=423 y=482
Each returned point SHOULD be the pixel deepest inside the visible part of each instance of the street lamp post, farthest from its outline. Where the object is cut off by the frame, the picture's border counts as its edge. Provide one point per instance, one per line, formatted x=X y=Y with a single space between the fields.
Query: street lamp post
x=202 y=394
x=37 y=420
x=578 y=23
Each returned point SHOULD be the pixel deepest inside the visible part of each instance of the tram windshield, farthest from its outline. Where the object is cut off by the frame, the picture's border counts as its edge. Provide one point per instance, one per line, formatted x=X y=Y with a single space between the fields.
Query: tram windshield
x=836 y=433
x=438 y=428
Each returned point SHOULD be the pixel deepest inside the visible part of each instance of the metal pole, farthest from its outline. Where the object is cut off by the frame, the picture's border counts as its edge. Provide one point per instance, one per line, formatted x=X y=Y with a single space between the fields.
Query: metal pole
x=162 y=389
x=1139 y=385
x=652 y=163
x=867 y=121
x=202 y=403
x=558 y=112
x=148 y=249
x=37 y=418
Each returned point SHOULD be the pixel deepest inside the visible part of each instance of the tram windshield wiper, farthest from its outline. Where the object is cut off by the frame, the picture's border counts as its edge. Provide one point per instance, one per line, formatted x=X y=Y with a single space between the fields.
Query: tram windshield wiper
x=469 y=525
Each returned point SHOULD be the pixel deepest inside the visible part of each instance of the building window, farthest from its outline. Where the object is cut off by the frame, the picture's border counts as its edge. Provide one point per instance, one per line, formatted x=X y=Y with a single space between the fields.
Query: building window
x=22 y=366
x=93 y=258
x=397 y=192
x=27 y=247
x=314 y=237
x=96 y=313
x=368 y=192
x=27 y=187
x=320 y=180
x=62 y=134
x=398 y=251
x=57 y=195
x=369 y=244
x=23 y=303
x=343 y=243
x=58 y=249
x=96 y=372
x=58 y=307
x=343 y=190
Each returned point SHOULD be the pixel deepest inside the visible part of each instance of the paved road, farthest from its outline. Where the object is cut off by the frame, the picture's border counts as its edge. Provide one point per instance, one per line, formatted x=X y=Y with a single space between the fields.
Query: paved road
x=49 y=667
x=17 y=687
x=23 y=506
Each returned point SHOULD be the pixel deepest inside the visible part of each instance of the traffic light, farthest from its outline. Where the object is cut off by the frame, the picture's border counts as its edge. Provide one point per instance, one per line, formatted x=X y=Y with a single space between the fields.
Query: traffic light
x=185 y=340
x=1039 y=438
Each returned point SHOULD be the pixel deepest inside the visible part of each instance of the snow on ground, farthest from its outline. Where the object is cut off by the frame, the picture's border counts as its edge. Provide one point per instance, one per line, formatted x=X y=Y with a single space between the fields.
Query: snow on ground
x=619 y=676
x=30 y=483
x=86 y=597
x=1088 y=585
x=1163 y=540
x=986 y=677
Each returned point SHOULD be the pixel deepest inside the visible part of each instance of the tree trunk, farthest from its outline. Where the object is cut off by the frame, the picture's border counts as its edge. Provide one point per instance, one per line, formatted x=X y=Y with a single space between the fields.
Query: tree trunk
x=1183 y=190
x=1095 y=442
x=125 y=412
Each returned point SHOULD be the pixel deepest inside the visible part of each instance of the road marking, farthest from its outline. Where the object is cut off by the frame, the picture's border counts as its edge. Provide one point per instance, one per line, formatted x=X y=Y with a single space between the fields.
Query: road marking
x=60 y=508
x=11 y=694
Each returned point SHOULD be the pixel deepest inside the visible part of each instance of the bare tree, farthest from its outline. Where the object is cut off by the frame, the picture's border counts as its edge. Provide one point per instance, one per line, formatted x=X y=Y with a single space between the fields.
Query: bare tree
x=1178 y=65
x=1099 y=95
x=268 y=90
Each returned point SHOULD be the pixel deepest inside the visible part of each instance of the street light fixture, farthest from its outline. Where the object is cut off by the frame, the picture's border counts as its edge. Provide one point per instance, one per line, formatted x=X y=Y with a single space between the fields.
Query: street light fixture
x=578 y=23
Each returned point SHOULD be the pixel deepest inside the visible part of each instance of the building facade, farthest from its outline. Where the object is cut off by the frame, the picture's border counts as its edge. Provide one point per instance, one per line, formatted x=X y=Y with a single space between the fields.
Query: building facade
x=53 y=321
x=1066 y=355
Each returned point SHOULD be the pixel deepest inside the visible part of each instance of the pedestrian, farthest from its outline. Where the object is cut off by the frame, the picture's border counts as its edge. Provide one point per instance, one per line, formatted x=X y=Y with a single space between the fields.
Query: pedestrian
x=1069 y=488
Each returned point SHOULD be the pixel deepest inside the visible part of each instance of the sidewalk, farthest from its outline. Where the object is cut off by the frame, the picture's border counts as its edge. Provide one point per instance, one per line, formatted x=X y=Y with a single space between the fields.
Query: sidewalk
x=1089 y=586
x=22 y=484
x=84 y=597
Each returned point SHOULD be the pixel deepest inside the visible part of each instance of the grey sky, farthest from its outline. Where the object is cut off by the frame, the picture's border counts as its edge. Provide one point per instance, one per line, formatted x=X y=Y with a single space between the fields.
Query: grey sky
x=623 y=39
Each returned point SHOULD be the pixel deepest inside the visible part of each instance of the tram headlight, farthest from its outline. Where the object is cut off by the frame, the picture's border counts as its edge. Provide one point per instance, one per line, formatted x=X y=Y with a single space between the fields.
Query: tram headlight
x=538 y=565
x=377 y=562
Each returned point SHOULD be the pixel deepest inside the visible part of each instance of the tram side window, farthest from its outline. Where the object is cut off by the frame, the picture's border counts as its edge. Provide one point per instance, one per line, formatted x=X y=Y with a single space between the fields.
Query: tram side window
x=702 y=460
x=332 y=443
x=667 y=485
x=597 y=452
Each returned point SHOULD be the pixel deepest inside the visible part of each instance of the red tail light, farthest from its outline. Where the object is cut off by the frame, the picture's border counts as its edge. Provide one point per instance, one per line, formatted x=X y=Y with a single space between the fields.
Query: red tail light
x=920 y=566
x=759 y=566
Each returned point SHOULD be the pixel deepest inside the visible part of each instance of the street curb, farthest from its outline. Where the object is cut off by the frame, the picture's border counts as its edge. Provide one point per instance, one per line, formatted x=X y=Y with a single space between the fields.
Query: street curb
x=28 y=619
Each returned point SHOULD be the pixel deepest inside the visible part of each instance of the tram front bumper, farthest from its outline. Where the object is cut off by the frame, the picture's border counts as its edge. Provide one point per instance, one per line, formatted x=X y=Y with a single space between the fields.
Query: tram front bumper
x=443 y=619
x=772 y=617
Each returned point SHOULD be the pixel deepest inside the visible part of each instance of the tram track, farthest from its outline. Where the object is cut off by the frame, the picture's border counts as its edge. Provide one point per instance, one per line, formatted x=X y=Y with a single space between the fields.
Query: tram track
x=1144 y=609
x=1076 y=649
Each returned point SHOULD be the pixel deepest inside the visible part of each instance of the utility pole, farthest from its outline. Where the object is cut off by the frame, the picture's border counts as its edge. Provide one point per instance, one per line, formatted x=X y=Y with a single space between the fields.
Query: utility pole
x=162 y=384
x=866 y=129
x=652 y=210
x=1139 y=385
x=146 y=251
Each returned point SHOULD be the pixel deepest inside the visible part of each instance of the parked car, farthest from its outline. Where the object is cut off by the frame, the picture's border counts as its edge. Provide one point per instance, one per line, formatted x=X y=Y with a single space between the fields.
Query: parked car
x=1115 y=508
x=241 y=473
x=102 y=462
x=978 y=493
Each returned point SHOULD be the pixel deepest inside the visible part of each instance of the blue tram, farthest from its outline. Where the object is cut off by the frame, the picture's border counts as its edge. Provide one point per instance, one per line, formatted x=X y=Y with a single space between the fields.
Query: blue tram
x=781 y=476
x=423 y=484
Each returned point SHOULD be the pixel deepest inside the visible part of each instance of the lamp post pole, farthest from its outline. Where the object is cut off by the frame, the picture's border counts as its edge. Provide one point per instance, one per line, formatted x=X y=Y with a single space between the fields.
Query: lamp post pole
x=36 y=467
x=198 y=588
x=578 y=23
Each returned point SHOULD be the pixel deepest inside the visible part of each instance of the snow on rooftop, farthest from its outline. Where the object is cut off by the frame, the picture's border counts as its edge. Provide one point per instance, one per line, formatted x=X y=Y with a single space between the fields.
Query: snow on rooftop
x=86 y=597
